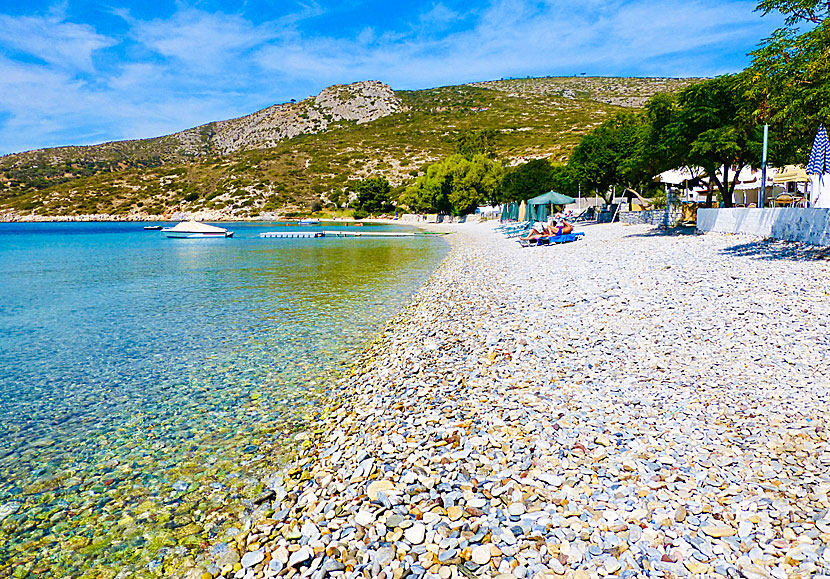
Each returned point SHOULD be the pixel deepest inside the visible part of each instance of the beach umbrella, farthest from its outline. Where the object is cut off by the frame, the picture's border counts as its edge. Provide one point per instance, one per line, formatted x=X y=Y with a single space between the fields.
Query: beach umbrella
x=522 y=212
x=819 y=159
x=819 y=168
x=504 y=211
x=551 y=198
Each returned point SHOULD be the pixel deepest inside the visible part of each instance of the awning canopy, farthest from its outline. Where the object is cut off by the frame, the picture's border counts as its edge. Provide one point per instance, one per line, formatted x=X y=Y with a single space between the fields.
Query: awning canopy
x=791 y=173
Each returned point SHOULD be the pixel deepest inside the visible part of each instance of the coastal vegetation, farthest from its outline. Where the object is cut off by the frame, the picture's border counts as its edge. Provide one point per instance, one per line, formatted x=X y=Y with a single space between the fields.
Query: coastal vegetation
x=717 y=124
x=449 y=149
x=516 y=120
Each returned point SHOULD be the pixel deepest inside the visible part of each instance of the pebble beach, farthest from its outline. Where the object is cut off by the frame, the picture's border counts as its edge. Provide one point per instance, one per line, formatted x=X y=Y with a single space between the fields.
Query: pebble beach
x=634 y=404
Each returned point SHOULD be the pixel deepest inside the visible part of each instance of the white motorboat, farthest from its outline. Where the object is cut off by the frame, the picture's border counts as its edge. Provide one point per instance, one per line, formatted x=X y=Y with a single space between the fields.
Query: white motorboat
x=195 y=230
x=308 y=221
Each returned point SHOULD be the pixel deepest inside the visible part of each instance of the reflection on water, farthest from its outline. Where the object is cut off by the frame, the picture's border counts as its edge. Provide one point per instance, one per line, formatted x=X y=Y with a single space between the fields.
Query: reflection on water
x=144 y=382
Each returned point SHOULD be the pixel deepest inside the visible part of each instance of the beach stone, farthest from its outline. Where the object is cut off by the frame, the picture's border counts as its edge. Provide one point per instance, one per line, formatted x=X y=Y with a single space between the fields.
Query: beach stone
x=252 y=558
x=611 y=565
x=379 y=485
x=718 y=531
x=383 y=556
x=516 y=509
x=696 y=567
x=454 y=513
x=299 y=557
x=415 y=534
x=481 y=554
x=364 y=518
x=310 y=531
x=394 y=521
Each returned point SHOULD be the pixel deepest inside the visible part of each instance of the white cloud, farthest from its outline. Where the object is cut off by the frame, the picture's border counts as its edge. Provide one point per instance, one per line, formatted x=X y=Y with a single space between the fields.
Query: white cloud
x=203 y=41
x=165 y=75
x=62 y=44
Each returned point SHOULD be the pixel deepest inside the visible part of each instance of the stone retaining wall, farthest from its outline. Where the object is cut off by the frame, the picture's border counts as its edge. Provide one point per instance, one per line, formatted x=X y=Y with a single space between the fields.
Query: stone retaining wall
x=786 y=223
x=651 y=217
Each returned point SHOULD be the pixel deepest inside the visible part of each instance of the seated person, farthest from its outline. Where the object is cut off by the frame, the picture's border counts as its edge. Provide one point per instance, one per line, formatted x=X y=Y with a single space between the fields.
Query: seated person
x=561 y=227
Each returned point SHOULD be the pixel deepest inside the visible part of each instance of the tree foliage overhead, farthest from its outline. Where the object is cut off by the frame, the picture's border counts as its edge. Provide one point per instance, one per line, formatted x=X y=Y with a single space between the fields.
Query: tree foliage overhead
x=790 y=77
x=797 y=11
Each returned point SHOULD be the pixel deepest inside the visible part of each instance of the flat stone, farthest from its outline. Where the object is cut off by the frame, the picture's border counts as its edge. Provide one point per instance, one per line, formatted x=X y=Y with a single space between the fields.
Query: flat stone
x=696 y=567
x=394 y=521
x=454 y=513
x=383 y=556
x=252 y=558
x=718 y=531
x=611 y=565
x=481 y=554
x=376 y=486
x=516 y=509
x=310 y=531
x=415 y=534
x=364 y=518
x=299 y=557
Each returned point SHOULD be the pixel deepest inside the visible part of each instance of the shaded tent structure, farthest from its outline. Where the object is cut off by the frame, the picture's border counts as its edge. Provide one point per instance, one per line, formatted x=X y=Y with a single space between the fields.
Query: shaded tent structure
x=537 y=207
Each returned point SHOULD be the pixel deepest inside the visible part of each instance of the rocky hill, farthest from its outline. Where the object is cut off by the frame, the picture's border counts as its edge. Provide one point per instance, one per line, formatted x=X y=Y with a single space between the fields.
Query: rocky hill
x=361 y=102
x=289 y=157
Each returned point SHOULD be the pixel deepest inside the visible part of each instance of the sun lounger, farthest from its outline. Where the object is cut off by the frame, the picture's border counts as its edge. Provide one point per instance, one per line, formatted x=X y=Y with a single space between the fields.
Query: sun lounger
x=520 y=229
x=552 y=239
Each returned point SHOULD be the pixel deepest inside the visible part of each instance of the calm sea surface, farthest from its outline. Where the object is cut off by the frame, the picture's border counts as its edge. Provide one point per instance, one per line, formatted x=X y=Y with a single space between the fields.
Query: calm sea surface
x=145 y=382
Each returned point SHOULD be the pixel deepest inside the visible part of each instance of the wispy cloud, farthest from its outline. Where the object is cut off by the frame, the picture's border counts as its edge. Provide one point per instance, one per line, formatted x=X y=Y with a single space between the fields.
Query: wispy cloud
x=49 y=39
x=69 y=82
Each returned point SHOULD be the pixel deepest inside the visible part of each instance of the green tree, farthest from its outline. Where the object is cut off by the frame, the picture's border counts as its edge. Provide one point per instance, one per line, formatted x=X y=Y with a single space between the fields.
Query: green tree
x=455 y=185
x=715 y=130
x=527 y=180
x=373 y=195
x=472 y=143
x=660 y=146
x=536 y=177
x=790 y=77
x=609 y=155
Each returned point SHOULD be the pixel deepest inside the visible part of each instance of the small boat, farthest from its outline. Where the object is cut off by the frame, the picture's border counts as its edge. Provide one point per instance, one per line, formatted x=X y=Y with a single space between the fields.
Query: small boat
x=152 y=228
x=308 y=221
x=195 y=230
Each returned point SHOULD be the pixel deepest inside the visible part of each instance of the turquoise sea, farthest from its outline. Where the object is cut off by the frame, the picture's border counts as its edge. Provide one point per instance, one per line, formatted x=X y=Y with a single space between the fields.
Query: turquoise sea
x=146 y=382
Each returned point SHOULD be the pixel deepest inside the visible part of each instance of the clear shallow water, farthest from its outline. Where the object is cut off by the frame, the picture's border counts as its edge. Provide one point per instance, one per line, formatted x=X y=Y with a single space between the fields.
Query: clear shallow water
x=146 y=381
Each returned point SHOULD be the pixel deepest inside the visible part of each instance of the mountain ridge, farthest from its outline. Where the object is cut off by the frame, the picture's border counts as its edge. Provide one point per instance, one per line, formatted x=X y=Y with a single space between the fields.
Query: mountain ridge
x=292 y=156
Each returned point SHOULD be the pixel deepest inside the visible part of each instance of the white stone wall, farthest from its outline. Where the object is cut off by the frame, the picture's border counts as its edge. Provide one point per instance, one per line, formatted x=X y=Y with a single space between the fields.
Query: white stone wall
x=787 y=223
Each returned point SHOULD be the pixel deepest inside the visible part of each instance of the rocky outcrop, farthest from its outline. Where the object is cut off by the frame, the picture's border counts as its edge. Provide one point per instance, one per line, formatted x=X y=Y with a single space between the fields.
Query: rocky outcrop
x=361 y=102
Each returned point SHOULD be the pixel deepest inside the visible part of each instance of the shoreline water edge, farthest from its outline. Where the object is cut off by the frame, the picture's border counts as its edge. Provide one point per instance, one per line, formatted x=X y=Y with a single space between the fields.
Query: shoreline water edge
x=634 y=404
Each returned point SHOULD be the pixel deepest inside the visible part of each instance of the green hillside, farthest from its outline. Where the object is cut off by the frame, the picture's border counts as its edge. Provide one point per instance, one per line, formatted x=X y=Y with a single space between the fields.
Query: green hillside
x=534 y=118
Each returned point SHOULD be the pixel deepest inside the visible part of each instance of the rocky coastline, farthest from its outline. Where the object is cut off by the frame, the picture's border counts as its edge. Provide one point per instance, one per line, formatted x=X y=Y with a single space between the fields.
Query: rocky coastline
x=631 y=405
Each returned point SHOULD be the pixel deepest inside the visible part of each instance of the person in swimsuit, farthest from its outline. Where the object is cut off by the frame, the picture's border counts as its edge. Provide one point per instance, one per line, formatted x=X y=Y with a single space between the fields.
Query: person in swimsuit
x=538 y=230
x=561 y=227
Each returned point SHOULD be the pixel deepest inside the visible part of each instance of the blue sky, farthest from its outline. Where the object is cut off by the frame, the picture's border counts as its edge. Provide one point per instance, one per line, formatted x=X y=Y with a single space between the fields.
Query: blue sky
x=82 y=71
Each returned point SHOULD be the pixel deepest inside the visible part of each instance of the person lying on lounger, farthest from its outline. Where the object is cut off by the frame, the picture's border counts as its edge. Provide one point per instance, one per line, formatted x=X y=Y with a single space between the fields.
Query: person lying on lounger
x=538 y=230
x=552 y=229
